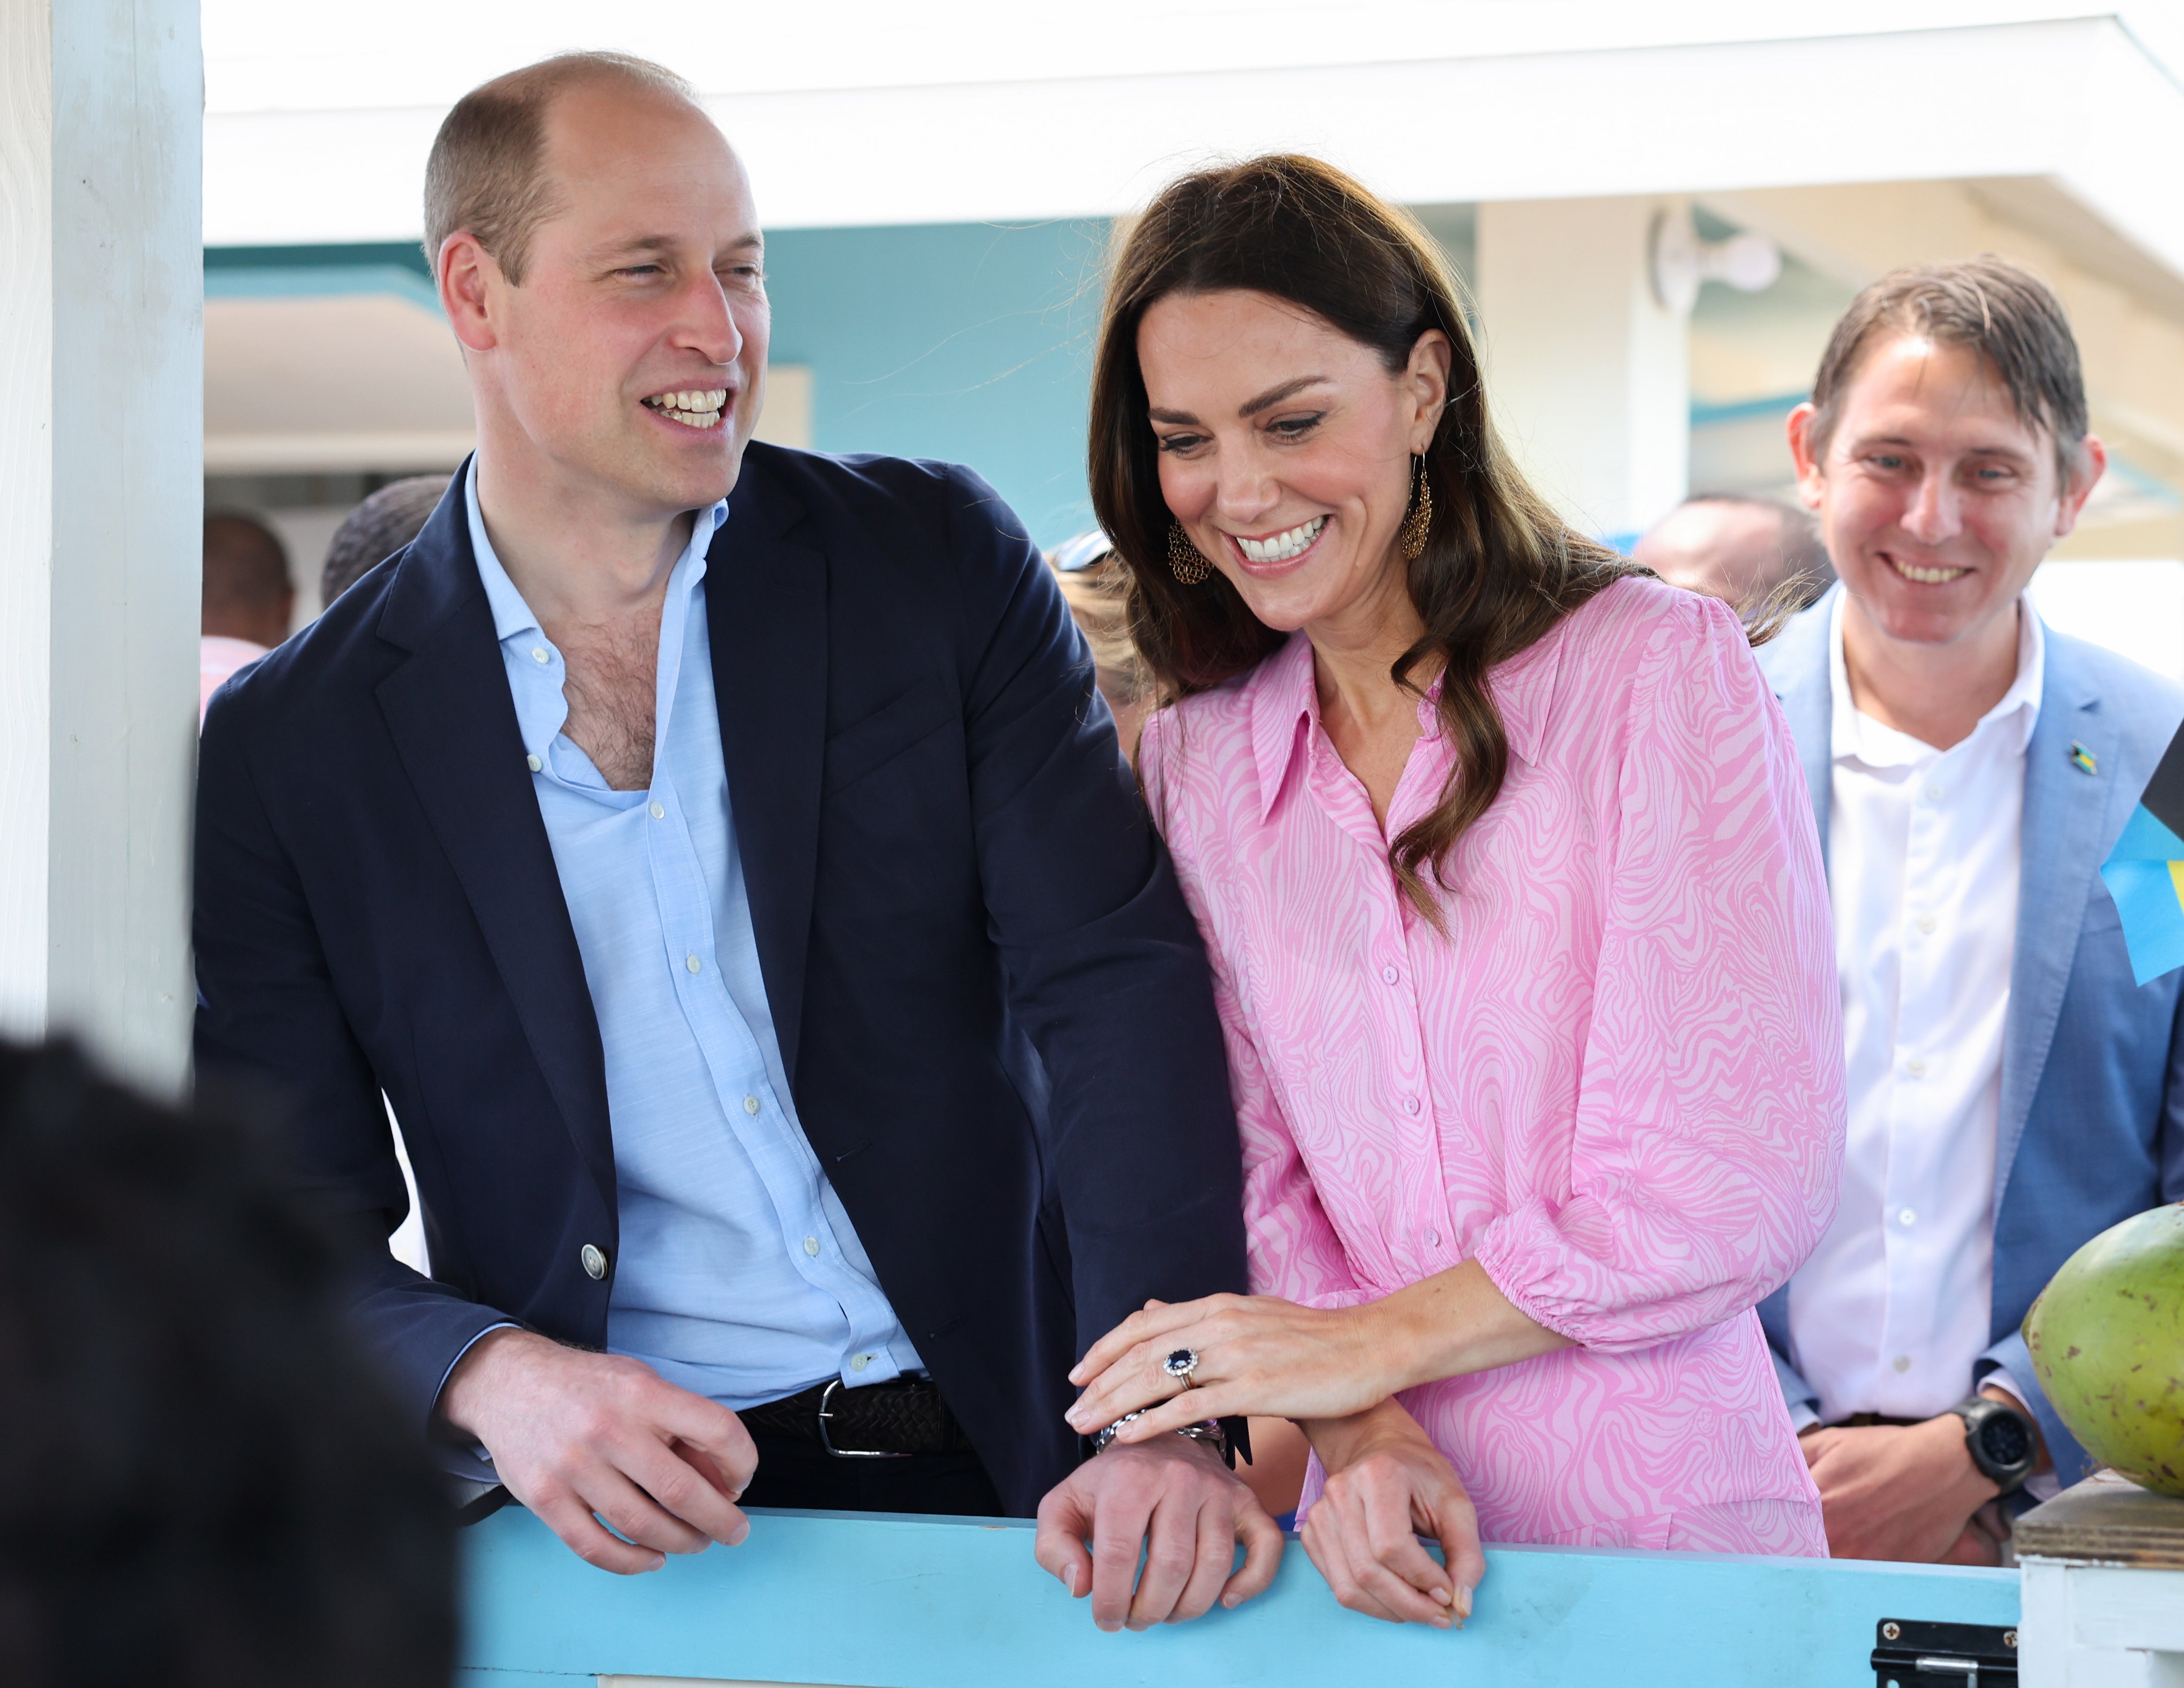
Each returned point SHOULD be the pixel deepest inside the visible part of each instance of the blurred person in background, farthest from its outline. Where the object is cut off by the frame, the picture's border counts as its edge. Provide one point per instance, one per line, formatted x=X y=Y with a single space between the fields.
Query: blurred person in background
x=719 y=857
x=2013 y=1090
x=375 y=530
x=1740 y=549
x=202 y=1482
x=248 y=598
x=1501 y=851
x=1094 y=585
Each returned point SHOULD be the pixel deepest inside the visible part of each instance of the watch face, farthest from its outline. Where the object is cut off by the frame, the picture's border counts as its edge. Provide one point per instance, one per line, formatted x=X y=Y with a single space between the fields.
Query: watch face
x=2004 y=1440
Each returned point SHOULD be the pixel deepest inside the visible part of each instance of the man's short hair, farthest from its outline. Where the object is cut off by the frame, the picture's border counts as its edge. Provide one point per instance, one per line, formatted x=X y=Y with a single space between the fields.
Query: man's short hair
x=2008 y=315
x=487 y=169
x=246 y=565
x=376 y=529
x=1804 y=553
x=202 y=1479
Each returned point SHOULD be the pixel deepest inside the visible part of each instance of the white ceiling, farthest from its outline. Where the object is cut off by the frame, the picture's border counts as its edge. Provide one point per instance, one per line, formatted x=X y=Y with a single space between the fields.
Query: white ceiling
x=862 y=112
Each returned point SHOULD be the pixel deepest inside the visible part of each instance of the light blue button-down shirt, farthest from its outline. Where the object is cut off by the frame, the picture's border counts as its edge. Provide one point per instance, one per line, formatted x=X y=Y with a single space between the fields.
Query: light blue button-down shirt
x=739 y=1275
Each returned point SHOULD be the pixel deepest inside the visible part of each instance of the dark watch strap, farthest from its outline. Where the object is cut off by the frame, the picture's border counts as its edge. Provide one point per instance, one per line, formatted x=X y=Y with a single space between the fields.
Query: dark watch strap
x=1984 y=1418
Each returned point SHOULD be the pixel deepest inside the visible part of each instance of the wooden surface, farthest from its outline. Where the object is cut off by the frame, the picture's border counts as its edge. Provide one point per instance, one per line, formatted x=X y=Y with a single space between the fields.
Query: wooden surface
x=916 y=1602
x=2107 y=1519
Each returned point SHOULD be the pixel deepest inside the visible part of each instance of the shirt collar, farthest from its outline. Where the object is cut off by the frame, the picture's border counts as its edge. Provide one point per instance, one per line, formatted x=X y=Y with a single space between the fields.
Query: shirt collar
x=511 y=616
x=1284 y=705
x=1854 y=735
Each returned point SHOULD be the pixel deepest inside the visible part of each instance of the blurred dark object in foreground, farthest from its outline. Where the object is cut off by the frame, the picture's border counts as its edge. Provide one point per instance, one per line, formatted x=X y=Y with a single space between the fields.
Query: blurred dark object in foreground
x=201 y=1483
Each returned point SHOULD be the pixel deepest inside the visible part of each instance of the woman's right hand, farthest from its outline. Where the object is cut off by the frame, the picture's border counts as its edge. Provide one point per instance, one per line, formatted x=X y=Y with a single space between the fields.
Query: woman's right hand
x=1387 y=1485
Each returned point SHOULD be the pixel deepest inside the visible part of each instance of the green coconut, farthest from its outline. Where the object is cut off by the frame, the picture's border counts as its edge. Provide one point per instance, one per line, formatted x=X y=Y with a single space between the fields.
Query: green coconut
x=2107 y=1336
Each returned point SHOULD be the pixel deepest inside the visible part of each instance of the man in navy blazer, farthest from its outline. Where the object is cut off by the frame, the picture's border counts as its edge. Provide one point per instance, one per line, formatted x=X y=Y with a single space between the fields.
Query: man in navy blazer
x=719 y=857
x=2014 y=1092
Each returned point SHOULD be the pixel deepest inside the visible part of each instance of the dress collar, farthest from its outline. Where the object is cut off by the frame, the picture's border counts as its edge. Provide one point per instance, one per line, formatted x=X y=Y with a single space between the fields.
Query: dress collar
x=1283 y=701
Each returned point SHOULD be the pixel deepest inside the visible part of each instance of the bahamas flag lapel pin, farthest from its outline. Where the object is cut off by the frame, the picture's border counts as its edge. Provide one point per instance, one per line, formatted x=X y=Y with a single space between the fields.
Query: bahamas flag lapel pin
x=2145 y=871
x=2082 y=759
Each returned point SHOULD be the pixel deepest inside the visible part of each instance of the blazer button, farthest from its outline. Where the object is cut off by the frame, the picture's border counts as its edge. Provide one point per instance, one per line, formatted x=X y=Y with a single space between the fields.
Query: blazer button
x=595 y=1262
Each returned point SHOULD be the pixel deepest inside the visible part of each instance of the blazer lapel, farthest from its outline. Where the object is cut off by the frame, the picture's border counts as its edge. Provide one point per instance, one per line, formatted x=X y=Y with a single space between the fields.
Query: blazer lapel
x=2064 y=812
x=453 y=725
x=765 y=613
x=1798 y=667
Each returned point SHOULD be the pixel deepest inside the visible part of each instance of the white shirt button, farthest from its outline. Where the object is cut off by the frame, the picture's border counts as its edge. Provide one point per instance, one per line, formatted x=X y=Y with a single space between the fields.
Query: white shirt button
x=751 y=1105
x=1902 y=1363
x=1433 y=1238
x=812 y=1247
x=659 y=813
x=1907 y=1217
x=1390 y=974
x=1410 y=1105
x=693 y=963
x=534 y=763
x=538 y=653
x=859 y=1362
x=1925 y=922
x=594 y=1260
x=1915 y=1067
x=1933 y=792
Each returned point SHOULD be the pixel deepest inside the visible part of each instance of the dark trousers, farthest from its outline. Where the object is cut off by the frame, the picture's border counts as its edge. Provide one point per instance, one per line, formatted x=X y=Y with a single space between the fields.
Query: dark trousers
x=804 y=1476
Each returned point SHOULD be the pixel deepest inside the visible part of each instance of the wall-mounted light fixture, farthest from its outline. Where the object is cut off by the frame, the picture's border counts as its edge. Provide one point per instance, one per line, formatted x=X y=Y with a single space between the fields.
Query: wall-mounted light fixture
x=1679 y=261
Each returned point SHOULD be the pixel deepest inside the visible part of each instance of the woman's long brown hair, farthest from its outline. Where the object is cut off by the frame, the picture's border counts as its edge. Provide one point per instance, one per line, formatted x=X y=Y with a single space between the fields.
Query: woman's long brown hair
x=1499 y=568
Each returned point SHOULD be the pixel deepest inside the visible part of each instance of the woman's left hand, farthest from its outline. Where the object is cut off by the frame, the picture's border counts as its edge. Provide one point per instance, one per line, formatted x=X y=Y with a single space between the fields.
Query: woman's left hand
x=1256 y=1355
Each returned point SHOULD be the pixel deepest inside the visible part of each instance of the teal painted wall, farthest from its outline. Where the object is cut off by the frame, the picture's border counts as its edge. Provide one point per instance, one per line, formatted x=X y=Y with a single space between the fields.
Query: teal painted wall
x=967 y=341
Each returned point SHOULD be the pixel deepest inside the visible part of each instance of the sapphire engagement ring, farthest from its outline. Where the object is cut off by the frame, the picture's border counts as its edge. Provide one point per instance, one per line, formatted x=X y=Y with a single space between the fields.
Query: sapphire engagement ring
x=1183 y=1363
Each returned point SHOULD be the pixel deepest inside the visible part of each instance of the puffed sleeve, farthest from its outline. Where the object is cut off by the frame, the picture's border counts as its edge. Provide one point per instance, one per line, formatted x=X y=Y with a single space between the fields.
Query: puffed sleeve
x=1291 y=1245
x=1708 y=1135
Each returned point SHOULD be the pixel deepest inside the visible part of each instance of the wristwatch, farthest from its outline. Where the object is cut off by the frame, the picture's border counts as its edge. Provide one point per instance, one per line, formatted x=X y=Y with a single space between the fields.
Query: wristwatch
x=2003 y=1442
x=1213 y=1432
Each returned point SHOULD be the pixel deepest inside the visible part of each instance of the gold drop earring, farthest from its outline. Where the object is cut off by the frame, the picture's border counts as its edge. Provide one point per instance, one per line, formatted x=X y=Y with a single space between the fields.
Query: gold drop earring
x=1417 y=521
x=1184 y=559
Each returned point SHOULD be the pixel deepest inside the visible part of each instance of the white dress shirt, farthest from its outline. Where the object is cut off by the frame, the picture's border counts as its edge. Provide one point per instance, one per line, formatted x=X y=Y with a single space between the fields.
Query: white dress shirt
x=1924 y=851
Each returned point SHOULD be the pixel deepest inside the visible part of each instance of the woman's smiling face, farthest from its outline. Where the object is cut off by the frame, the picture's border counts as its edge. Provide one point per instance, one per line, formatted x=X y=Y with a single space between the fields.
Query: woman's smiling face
x=1285 y=448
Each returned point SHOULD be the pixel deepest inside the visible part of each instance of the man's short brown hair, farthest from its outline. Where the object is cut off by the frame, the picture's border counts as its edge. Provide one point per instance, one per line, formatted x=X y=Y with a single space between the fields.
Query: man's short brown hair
x=487 y=172
x=2007 y=314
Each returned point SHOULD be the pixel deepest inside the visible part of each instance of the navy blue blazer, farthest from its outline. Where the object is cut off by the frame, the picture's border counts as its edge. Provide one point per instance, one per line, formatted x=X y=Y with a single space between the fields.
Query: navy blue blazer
x=2091 y=1127
x=992 y=1002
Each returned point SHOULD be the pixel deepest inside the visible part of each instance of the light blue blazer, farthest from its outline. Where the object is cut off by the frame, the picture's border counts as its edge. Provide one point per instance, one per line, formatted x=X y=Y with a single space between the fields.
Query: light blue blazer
x=2092 y=1128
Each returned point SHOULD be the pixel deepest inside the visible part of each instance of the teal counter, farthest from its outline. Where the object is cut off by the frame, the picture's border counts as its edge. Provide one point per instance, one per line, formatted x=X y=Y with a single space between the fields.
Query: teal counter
x=915 y=1603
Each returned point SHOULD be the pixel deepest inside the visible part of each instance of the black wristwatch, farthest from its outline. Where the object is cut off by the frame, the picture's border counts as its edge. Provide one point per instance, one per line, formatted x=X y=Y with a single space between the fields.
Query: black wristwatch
x=2003 y=1442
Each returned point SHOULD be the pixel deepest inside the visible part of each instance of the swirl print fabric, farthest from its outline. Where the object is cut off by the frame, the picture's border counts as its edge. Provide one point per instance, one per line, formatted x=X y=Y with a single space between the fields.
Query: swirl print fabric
x=1615 y=1080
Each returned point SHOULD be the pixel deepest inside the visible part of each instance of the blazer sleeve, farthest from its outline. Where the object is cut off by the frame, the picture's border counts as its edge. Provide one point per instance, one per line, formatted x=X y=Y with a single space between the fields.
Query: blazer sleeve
x=1104 y=965
x=1707 y=1144
x=270 y=1031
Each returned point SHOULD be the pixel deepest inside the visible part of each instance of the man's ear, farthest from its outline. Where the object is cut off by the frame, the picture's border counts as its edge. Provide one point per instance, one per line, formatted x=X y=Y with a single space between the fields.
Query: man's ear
x=1811 y=483
x=470 y=282
x=2091 y=463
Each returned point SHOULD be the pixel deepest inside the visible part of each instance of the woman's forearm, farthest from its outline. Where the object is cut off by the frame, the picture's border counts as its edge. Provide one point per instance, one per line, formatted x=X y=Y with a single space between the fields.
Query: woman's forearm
x=1450 y=1325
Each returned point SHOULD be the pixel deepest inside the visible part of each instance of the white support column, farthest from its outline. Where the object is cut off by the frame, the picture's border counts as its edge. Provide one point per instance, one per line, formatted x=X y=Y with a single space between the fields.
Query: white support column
x=1588 y=373
x=101 y=496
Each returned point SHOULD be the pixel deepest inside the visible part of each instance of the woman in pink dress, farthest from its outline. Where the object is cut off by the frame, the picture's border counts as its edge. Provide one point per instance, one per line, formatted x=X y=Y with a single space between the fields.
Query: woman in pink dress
x=1518 y=929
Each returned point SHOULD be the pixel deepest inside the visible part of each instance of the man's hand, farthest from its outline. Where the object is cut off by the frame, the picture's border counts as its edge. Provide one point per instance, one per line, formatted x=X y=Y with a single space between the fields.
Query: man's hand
x=1387 y=1485
x=575 y=1435
x=1174 y=1495
x=1906 y=1492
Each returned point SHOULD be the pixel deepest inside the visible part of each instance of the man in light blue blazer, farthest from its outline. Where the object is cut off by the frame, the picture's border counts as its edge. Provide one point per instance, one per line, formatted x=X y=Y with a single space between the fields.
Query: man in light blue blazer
x=2013 y=1091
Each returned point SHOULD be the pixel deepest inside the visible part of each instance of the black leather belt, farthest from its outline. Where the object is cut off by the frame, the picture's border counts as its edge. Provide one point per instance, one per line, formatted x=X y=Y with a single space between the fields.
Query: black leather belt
x=881 y=1421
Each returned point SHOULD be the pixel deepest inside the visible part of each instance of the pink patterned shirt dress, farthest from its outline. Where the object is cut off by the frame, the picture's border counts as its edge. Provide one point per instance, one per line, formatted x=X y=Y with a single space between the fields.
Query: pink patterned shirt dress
x=1616 y=1082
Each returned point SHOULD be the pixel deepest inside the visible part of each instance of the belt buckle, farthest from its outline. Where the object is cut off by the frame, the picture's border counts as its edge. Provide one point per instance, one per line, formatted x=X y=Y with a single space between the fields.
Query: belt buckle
x=827 y=1441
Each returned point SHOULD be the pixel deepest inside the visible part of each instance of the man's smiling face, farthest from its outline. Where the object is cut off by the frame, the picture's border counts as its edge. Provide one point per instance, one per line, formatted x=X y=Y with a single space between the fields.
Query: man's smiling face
x=1936 y=499
x=633 y=354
